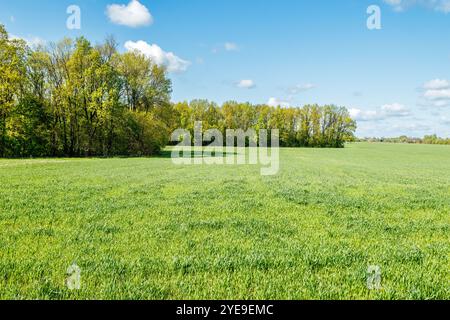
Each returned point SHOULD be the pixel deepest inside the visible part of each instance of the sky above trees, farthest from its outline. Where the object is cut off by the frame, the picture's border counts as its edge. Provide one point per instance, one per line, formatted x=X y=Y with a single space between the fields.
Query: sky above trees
x=394 y=80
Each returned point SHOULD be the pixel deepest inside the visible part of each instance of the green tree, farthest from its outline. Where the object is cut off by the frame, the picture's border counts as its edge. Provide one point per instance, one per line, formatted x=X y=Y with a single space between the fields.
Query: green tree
x=12 y=79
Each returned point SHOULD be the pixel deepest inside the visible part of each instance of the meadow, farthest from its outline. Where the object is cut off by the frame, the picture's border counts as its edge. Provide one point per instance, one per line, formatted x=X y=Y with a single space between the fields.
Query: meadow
x=142 y=228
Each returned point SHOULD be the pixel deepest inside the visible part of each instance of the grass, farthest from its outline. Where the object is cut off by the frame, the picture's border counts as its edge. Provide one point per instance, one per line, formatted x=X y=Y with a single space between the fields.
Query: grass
x=146 y=229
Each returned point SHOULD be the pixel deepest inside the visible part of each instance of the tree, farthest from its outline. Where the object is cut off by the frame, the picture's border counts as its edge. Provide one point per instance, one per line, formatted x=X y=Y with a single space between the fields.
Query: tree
x=310 y=126
x=29 y=129
x=12 y=78
x=145 y=83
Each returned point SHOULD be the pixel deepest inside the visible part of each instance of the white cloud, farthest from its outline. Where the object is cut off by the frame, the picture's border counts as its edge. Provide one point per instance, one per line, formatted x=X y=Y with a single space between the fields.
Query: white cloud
x=31 y=41
x=437 y=93
x=274 y=102
x=159 y=56
x=441 y=103
x=231 y=46
x=361 y=115
x=437 y=84
x=246 y=84
x=12 y=19
x=132 y=15
x=394 y=110
x=438 y=5
x=301 y=88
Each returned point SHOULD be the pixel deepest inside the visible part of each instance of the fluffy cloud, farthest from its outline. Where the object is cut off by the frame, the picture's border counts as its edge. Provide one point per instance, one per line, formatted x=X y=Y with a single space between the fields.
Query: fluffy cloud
x=442 y=94
x=231 y=46
x=132 y=15
x=436 y=93
x=274 y=102
x=32 y=42
x=159 y=56
x=301 y=88
x=394 y=110
x=361 y=115
x=436 y=84
x=438 y=5
x=246 y=84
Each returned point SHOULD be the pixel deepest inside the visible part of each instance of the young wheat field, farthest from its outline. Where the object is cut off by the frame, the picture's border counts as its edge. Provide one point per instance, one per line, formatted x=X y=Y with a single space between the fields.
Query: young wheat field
x=143 y=228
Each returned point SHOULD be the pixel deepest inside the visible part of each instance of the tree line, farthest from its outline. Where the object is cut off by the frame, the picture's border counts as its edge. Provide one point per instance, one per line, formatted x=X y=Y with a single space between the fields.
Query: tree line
x=309 y=126
x=73 y=98
x=428 y=139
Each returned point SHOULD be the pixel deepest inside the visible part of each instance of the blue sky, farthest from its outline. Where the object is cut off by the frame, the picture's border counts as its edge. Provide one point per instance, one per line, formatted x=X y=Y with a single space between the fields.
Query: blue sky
x=395 y=80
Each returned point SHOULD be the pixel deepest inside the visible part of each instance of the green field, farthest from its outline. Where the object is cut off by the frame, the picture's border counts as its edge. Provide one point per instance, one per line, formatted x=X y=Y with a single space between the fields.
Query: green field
x=145 y=229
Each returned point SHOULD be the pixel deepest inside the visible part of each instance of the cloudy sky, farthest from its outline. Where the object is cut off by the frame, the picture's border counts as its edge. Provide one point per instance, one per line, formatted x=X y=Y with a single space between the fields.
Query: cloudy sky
x=288 y=52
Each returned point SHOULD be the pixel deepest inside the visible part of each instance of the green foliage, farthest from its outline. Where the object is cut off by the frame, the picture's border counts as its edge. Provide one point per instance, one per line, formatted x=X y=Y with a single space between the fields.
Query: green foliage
x=73 y=99
x=28 y=128
x=146 y=134
x=430 y=139
x=12 y=75
x=310 y=126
